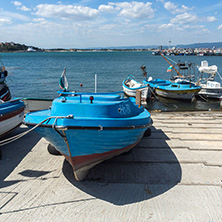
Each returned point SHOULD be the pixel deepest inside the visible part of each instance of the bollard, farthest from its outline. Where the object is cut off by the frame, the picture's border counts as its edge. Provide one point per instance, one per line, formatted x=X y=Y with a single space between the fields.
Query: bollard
x=138 y=97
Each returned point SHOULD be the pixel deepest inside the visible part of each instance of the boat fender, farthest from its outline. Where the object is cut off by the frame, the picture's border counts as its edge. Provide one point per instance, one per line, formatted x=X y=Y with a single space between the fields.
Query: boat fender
x=101 y=128
x=52 y=150
x=147 y=133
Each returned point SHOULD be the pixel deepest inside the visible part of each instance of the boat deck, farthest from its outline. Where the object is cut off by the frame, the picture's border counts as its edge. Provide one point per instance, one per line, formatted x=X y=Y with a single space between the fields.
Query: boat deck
x=173 y=175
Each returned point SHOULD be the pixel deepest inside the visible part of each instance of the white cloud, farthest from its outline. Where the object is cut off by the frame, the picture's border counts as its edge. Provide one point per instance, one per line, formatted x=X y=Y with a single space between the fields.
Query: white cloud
x=109 y=27
x=39 y=20
x=166 y=26
x=211 y=19
x=184 y=18
x=172 y=8
x=136 y=10
x=20 y=6
x=66 y=11
x=106 y=8
x=161 y=27
x=16 y=16
x=169 y=6
x=16 y=3
x=4 y=21
x=24 y=8
x=219 y=27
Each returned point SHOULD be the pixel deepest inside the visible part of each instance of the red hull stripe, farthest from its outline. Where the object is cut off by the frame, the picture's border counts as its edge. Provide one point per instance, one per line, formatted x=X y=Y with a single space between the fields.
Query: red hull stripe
x=11 y=114
x=81 y=161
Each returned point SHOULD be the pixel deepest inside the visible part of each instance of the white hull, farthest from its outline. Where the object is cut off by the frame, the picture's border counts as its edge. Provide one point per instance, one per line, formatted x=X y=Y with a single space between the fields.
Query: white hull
x=211 y=89
x=130 y=86
x=11 y=123
x=215 y=93
x=175 y=95
x=132 y=92
x=37 y=104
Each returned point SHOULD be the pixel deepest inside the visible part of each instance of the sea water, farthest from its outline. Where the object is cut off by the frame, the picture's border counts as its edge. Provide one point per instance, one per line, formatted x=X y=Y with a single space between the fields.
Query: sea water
x=36 y=74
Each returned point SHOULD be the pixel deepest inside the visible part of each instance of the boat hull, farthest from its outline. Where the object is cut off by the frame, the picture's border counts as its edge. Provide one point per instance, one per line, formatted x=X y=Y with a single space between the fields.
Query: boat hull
x=130 y=86
x=86 y=147
x=214 y=93
x=11 y=116
x=90 y=128
x=35 y=104
x=179 y=94
x=132 y=92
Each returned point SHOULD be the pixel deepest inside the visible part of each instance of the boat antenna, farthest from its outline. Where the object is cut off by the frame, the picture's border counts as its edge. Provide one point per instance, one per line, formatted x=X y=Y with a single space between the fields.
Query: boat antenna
x=171 y=65
x=95 y=83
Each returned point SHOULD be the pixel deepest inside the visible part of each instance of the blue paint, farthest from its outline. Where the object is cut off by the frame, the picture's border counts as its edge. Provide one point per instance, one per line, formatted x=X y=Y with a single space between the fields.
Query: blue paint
x=100 y=124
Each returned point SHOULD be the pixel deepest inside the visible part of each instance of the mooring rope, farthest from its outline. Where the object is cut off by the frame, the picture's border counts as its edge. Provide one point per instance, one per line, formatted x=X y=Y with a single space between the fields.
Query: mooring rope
x=171 y=60
x=18 y=136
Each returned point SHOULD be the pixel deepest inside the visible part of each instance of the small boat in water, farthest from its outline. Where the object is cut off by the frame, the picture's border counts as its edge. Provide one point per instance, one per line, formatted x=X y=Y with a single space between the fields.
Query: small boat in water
x=210 y=88
x=130 y=86
x=88 y=128
x=182 y=90
x=11 y=115
x=179 y=88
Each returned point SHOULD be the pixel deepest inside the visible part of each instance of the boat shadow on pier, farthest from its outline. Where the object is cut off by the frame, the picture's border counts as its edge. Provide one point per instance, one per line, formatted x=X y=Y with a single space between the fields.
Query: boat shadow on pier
x=149 y=170
x=13 y=153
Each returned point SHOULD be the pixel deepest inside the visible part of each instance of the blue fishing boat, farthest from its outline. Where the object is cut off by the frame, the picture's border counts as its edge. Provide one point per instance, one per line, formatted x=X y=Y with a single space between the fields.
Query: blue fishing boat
x=182 y=90
x=11 y=115
x=88 y=128
x=179 y=88
x=153 y=83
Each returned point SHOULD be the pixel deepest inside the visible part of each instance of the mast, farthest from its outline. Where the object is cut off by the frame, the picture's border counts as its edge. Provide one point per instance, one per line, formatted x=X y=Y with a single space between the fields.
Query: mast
x=171 y=65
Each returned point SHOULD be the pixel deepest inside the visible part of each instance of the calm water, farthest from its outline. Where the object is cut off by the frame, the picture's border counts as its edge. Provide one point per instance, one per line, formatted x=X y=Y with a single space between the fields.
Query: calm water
x=37 y=74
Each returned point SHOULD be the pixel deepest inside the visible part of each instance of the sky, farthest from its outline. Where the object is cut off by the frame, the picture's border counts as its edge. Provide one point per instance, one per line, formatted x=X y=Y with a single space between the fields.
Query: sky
x=93 y=23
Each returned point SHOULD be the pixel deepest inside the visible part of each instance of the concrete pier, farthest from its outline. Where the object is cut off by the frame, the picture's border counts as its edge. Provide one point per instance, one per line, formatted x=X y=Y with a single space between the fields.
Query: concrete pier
x=173 y=175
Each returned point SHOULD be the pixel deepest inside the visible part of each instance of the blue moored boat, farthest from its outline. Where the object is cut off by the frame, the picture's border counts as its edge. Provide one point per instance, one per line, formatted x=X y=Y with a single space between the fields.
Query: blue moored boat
x=153 y=83
x=88 y=128
x=182 y=90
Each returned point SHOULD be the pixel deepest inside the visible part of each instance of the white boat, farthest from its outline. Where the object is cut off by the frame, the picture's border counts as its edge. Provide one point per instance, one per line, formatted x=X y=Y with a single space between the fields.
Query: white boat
x=11 y=115
x=35 y=104
x=130 y=86
x=210 y=87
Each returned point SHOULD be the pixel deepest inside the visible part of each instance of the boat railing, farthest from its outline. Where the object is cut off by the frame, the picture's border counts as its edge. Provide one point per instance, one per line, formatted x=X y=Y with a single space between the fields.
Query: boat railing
x=80 y=94
x=130 y=76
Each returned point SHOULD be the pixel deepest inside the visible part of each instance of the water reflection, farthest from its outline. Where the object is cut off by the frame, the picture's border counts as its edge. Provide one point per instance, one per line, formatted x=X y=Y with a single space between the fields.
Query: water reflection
x=163 y=104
